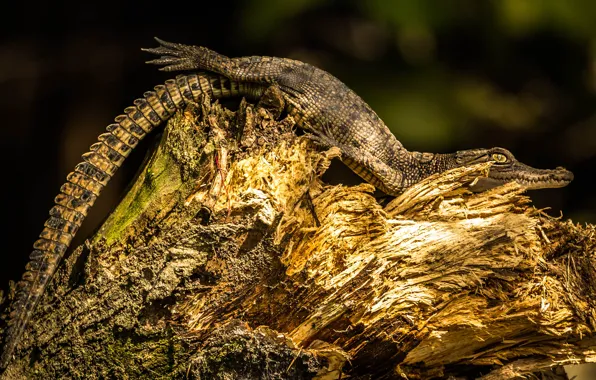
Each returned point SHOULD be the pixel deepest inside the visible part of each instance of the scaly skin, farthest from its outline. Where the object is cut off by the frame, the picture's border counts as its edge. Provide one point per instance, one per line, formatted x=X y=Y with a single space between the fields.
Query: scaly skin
x=338 y=117
x=322 y=105
x=86 y=182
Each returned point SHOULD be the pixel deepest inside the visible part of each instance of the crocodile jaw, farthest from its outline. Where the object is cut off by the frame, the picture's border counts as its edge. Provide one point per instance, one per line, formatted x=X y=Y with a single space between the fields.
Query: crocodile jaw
x=528 y=177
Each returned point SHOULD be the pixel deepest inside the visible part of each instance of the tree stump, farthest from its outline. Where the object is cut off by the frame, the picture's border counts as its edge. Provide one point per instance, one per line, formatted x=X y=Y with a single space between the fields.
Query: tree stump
x=229 y=258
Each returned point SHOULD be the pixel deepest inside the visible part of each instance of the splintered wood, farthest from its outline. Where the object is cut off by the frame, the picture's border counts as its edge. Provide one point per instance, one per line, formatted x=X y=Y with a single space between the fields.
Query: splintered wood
x=230 y=257
x=442 y=278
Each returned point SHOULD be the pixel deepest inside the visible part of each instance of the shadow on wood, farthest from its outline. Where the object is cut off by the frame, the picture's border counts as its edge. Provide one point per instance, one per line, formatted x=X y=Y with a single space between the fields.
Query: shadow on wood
x=229 y=258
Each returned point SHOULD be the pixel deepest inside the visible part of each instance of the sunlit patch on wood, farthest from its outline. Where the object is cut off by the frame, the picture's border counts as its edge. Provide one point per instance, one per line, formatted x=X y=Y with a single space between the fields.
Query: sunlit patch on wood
x=215 y=249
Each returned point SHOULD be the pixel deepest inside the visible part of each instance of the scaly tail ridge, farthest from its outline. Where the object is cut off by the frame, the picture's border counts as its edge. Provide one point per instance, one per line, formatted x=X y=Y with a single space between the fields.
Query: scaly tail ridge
x=89 y=177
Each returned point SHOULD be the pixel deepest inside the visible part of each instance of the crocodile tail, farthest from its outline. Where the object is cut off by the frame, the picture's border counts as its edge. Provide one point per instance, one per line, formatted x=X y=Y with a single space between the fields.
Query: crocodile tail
x=89 y=177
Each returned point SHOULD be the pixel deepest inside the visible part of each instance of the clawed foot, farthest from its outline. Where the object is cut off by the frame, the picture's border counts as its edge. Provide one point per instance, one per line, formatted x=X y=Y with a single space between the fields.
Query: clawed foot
x=320 y=137
x=273 y=101
x=320 y=141
x=174 y=57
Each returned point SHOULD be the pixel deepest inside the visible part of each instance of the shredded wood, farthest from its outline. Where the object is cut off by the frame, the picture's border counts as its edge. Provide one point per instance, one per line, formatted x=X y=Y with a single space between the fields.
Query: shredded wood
x=229 y=256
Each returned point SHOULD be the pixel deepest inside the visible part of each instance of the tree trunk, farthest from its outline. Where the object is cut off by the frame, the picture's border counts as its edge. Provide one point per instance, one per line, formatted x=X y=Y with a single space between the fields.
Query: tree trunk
x=230 y=259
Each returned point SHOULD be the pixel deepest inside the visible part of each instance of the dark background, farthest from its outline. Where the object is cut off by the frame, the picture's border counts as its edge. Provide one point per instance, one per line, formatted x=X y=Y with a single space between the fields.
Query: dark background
x=444 y=75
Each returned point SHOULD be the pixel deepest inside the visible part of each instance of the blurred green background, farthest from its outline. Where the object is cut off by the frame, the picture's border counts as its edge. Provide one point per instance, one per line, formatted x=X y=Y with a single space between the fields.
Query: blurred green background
x=448 y=75
x=443 y=75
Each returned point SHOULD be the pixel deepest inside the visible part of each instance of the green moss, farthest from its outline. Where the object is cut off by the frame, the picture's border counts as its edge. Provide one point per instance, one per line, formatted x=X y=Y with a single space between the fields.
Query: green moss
x=157 y=358
x=169 y=169
x=159 y=178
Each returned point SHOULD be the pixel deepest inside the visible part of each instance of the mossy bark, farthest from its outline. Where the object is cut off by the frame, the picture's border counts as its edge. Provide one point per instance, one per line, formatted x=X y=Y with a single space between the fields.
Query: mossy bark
x=229 y=258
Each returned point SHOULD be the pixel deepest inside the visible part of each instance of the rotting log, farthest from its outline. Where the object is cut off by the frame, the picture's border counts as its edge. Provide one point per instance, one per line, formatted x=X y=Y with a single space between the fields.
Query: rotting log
x=229 y=258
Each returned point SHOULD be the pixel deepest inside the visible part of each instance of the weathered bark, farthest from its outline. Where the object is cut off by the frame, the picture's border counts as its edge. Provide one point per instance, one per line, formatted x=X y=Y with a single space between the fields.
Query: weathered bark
x=214 y=265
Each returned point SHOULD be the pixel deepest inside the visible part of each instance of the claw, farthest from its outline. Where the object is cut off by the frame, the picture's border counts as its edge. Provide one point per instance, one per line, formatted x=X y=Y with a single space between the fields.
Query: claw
x=174 y=57
x=179 y=57
x=169 y=68
x=175 y=49
x=320 y=140
x=160 y=51
x=166 y=43
x=165 y=60
x=169 y=48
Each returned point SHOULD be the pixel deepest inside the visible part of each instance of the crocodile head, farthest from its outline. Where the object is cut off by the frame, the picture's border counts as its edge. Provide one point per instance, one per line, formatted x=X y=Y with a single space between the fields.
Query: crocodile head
x=506 y=168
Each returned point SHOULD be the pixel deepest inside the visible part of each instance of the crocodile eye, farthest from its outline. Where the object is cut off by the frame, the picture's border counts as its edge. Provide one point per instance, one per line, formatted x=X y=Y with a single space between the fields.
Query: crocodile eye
x=500 y=158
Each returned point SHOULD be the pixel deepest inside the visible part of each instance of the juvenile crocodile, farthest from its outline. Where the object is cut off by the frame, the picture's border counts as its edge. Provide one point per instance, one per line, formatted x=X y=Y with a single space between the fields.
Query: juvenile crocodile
x=322 y=105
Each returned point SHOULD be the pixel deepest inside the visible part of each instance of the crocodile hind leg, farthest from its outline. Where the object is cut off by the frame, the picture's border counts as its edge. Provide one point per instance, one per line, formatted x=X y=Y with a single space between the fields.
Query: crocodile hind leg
x=263 y=70
x=273 y=101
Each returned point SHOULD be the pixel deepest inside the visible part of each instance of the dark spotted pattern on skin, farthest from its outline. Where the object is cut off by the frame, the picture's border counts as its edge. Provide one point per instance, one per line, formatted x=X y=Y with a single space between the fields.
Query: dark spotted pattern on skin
x=327 y=108
x=320 y=103
x=184 y=88
x=89 y=177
